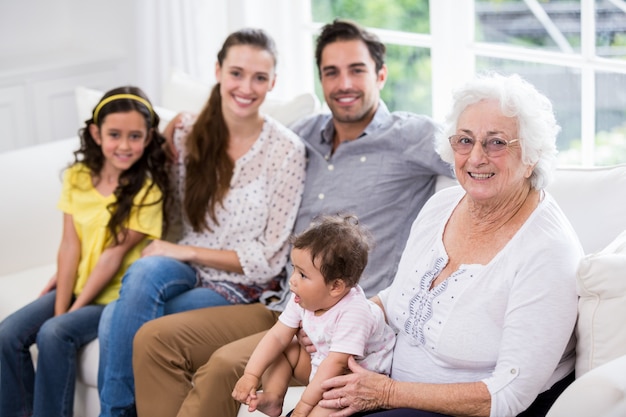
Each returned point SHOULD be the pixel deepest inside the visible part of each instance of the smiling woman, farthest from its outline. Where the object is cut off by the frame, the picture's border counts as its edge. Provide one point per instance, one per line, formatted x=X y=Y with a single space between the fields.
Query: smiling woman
x=229 y=252
x=484 y=265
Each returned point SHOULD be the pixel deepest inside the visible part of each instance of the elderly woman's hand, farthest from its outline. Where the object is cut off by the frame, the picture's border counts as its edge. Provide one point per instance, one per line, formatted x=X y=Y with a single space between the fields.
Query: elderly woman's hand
x=362 y=390
x=305 y=341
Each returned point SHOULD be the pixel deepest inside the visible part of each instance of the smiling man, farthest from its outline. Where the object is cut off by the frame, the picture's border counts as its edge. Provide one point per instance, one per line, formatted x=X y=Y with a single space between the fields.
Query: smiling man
x=362 y=159
x=351 y=80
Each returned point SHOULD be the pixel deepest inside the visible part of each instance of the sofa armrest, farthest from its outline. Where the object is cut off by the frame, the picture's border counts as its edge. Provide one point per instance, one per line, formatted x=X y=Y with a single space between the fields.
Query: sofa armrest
x=20 y=288
x=600 y=392
x=30 y=222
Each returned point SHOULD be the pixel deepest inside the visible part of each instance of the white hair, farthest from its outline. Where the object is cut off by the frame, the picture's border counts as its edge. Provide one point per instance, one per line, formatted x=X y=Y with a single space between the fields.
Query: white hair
x=537 y=126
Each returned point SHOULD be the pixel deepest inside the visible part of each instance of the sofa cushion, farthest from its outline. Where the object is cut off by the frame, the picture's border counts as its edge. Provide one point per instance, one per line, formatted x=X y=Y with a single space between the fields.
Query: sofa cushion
x=182 y=92
x=88 y=357
x=600 y=392
x=600 y=329
x=21 y=287
x=598 y=216
x=30 y=223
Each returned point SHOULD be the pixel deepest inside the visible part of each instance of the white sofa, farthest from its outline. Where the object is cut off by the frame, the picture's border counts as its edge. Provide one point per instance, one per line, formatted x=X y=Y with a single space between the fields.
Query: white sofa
x=31 y=225
x=593 y=199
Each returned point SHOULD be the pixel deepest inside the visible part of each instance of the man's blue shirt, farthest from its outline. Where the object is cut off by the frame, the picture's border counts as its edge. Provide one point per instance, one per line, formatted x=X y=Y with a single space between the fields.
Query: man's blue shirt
x=384 y=177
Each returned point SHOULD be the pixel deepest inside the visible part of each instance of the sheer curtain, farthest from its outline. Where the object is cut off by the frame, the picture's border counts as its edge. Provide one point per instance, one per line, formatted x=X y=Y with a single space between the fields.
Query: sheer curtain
x=186 y=35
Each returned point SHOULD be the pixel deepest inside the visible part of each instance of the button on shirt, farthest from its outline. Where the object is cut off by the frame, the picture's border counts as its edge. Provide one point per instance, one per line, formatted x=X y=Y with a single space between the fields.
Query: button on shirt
x=384 y=177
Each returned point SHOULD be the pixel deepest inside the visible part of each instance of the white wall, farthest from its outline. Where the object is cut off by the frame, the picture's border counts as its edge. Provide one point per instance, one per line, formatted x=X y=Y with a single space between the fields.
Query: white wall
x=33 y=25
x=49 y=47
x=288 y=22
x=187 y=34
x=42 y=32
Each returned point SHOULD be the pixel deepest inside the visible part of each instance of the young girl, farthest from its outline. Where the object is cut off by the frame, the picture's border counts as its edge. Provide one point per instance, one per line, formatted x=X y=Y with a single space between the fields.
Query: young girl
x=112 y=202
x=328 y=260
x=239 y=177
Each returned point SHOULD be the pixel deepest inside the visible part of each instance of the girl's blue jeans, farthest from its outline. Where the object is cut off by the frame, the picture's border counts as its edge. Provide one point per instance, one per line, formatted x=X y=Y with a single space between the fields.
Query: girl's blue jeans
x=152 y=287
x=50 y=390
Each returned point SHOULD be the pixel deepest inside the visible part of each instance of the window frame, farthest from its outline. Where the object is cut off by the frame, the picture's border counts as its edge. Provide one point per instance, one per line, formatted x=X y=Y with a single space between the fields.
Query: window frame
x=452 y=40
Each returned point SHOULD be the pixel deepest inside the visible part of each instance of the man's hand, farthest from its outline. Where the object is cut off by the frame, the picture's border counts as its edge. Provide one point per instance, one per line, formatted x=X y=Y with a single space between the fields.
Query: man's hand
x=168 y=133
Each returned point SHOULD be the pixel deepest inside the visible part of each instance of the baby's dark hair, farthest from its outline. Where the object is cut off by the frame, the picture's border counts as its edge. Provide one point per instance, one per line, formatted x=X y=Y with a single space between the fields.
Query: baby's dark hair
x=339 y=247
x=151 y=166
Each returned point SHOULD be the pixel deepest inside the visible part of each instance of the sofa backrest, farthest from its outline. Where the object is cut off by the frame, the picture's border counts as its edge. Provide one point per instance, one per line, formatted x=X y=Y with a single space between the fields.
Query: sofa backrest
x=592 y=198
x=30 y=188
x=183 y=92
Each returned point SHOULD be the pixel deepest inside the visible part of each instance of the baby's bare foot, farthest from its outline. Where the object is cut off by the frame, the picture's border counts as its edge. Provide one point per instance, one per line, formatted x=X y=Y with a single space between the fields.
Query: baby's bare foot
x=267 y=403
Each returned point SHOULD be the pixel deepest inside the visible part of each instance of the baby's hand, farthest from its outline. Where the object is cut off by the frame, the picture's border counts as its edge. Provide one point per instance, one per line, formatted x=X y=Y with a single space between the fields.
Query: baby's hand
x=245 y=389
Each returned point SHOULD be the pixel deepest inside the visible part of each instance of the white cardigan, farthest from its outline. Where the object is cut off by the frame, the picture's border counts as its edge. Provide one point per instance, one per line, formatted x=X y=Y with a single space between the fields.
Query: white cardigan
x=508 y=323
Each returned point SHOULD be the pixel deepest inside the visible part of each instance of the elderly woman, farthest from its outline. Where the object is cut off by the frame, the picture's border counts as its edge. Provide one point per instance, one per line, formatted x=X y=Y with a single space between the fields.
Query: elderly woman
x=484 y=300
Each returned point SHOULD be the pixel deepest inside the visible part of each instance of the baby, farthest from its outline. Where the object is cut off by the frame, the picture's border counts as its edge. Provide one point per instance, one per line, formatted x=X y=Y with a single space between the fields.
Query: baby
x=328 y=260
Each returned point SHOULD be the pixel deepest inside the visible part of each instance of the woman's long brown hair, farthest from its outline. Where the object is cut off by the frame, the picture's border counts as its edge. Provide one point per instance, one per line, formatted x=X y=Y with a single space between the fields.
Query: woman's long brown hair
x=208 y=167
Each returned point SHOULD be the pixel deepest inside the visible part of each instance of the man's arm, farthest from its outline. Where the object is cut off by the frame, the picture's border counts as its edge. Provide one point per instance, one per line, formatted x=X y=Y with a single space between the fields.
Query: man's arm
x=168 y=133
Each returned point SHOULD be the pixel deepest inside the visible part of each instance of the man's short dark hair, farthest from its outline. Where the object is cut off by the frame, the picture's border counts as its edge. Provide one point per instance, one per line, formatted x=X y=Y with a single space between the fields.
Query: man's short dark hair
x=345 y=30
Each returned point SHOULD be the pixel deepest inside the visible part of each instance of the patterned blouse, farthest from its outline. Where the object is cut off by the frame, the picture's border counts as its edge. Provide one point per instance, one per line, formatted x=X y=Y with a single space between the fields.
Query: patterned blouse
x=257 y=215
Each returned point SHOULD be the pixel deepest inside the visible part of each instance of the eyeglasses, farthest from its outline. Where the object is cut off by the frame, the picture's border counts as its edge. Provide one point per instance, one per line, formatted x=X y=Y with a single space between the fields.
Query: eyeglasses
x=492 y=145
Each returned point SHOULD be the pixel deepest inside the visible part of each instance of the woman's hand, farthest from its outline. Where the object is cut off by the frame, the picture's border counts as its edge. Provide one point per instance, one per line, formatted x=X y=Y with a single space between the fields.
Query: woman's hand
x=305 y=341
x=362 y=390
x=168 y=249
x=222 y=259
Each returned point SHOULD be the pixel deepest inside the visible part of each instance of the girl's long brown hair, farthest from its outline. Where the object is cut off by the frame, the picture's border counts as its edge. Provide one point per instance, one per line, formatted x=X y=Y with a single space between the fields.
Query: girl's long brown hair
x=151 y=165
x=208 y=167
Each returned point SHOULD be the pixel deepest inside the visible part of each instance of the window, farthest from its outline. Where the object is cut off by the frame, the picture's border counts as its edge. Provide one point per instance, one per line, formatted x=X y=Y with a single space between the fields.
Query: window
x=574 y=51
x=404 y=26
